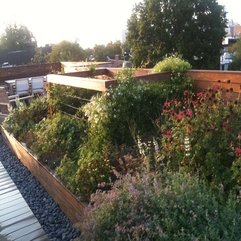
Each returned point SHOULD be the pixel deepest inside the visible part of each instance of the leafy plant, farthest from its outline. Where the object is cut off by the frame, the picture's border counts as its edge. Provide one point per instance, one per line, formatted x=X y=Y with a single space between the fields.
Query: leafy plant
x=174 y=64
x=114 y=120
x=22 y=120
x=169 y=207
x=127 y=110
x=58 y=136
x=200 y=134
x=124 y=75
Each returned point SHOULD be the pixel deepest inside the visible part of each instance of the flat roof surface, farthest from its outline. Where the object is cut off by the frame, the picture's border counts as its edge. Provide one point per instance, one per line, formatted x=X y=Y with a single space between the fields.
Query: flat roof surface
x=17 y=221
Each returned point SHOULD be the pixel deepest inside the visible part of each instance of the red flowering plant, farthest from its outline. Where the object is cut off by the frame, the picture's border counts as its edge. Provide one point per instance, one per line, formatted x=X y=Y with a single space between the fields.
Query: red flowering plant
x=201 y=134
x=236 y=168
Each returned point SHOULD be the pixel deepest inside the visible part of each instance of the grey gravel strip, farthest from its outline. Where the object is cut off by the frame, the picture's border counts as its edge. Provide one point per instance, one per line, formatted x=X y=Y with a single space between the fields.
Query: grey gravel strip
x=53 y=221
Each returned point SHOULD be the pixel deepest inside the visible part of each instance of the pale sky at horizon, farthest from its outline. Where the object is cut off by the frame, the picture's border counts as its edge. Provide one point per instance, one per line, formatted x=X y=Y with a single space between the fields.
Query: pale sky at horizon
x=88 y=22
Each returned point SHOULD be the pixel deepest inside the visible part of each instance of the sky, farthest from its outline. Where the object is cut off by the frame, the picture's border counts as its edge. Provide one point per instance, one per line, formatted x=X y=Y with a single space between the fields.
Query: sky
x=88 y=22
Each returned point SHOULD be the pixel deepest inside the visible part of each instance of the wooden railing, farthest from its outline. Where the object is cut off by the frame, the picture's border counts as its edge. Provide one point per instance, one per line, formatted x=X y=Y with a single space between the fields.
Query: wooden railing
x=203 y=79
x=81 y=82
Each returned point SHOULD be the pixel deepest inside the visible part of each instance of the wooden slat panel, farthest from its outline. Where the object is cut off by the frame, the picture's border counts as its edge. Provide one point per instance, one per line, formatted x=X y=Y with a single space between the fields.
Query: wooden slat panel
x=10 y=211
x=66 y=200
x=10 y=203
x=21 y=228
x=5 y=181
x=154 y=77
x=30 y=236
x=6 y=184
x=215 y=75
x=15 y=211
x=17 y=222
x=204 y=79
x=3 y=192
x=42 y=238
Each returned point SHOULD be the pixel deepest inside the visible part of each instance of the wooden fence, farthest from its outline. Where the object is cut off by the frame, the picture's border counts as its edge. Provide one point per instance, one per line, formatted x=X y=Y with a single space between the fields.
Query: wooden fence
x=203 y=79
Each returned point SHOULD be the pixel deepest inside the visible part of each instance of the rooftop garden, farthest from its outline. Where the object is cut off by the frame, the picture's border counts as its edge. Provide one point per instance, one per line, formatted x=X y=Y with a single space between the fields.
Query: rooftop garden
x=154 y=160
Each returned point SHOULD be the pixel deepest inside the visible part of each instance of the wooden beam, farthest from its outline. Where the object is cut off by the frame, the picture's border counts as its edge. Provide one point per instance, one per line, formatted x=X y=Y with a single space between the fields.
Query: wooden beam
x=79 y=82
x=204 y=79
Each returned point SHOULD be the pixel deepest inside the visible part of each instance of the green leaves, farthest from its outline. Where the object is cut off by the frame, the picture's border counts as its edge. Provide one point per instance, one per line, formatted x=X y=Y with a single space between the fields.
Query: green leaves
x=195 y=29
x=17 y=38
x=174 y=64
x=66 y=51
x=213 y=132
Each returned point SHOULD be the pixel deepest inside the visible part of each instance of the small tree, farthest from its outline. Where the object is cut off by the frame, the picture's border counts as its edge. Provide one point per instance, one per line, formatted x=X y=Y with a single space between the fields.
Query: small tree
x=66 y=51
x=111 y=49
x=17 y=38
x=193 y=28
x=236 y=49
x=41 y=54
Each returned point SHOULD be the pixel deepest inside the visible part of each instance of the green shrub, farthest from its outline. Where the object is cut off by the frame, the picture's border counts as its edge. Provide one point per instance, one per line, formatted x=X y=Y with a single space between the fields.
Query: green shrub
x=114 y=119
x=22 y=120
x=94 y=165
x=149 y=207
x=178 y=82
x=174 y=64
x=128 y=109
x=58 y=136
x=124 y=75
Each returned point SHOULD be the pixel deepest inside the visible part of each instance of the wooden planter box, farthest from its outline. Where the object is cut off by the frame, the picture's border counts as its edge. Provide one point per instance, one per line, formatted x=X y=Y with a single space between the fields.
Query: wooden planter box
x=68 y=203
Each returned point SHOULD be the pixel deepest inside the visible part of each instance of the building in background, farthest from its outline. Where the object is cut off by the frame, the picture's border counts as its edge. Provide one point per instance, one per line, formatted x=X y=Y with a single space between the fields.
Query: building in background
x=233 y=34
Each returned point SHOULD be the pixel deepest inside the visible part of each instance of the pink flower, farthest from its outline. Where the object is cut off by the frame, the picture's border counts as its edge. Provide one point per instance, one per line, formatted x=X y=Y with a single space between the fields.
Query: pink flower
x=237 y=151
x=180 y=115
x=165 y=111
x=167 y=104
x=189 y=113
x=194 y=102
x=186 y=93
x=199 y=95
x=167 y=132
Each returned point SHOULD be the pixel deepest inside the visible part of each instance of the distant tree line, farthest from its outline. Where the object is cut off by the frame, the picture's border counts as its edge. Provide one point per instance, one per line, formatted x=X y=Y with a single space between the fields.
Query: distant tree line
x=193 y=29
x=19 y=46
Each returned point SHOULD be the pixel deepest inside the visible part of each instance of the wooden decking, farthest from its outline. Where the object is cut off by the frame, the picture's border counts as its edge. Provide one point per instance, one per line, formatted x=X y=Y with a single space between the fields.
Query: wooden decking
x=17 y=222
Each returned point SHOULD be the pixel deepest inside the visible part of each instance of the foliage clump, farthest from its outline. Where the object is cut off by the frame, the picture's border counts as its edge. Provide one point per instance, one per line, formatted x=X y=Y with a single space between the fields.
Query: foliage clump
x=174 y=64
x=195 y=29
x=236 y=53
x=160 y=156
x=202 y=134
x=22 y=120
x=56 y=137
x=167 y=207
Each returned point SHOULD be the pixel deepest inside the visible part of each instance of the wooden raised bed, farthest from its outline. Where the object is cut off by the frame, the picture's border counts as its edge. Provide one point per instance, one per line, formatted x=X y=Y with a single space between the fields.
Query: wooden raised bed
x=68 y=203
